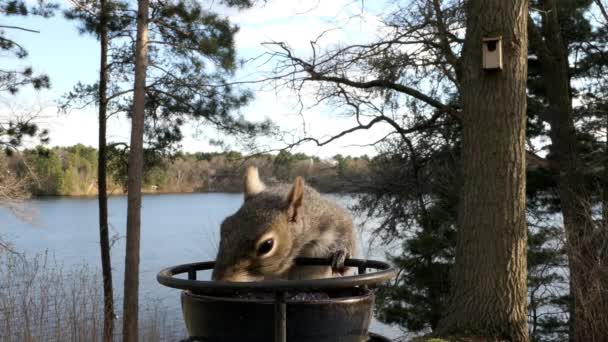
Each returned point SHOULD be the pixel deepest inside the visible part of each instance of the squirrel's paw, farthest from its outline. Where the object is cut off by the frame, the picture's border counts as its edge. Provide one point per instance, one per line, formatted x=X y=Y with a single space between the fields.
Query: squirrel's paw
x=337 y=261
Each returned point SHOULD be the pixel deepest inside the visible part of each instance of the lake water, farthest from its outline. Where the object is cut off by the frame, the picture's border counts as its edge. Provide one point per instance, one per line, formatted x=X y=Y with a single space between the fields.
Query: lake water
x=176 y=229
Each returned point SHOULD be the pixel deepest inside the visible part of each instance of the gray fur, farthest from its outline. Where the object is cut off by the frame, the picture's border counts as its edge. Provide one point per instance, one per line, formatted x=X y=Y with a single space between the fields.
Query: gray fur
x=320 y=228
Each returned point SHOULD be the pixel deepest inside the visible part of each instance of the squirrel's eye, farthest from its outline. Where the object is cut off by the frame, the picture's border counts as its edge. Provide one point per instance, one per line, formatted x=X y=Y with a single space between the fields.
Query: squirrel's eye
x=265 y=247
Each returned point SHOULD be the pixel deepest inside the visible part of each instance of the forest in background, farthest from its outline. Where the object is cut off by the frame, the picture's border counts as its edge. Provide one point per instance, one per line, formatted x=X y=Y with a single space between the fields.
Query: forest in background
x=72 y=171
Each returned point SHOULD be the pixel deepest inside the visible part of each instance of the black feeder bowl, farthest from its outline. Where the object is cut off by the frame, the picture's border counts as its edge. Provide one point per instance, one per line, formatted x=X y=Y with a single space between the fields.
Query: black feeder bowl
x=313 y=310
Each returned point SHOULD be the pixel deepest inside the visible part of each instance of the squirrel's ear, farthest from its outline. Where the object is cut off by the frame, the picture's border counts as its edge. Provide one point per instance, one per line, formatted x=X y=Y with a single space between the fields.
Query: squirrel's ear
x=294 y=199
x=253 y=184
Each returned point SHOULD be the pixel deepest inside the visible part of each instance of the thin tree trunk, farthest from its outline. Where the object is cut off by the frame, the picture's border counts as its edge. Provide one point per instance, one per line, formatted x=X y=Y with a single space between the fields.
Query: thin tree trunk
x=604 y=248
x=603 y=236
x=488 y=299
x=102 y=161
x=131 y=287
x=588 y=289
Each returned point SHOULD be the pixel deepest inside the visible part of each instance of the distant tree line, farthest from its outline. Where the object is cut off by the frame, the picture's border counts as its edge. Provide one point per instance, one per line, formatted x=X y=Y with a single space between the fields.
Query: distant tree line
x=72 y=171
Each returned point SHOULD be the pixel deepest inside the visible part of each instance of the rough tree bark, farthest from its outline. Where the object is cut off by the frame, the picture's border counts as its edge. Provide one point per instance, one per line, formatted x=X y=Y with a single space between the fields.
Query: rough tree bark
x=489 y=296
x=588 y=289
x=604 y=248
x=102 y=161
x=603 y=237
x=131 y=286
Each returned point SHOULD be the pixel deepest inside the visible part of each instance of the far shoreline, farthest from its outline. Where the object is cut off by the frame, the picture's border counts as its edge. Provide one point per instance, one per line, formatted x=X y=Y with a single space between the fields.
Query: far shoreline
x=157 y=193
x=145 y=193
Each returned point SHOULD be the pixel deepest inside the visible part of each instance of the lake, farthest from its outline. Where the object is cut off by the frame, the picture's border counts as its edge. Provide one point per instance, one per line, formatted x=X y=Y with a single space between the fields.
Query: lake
x=176 y=229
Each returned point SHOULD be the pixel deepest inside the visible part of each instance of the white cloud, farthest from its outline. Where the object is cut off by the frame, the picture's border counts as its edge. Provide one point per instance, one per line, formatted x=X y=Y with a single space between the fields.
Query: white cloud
x=297 y=23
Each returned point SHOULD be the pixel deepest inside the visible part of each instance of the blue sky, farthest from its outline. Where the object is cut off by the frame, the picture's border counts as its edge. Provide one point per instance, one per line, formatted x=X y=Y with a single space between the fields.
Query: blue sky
x=68 y=57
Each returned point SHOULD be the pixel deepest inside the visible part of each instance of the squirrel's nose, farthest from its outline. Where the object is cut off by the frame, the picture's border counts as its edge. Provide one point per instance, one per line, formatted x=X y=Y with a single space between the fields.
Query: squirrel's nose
x=228 y=274
x=223 y=273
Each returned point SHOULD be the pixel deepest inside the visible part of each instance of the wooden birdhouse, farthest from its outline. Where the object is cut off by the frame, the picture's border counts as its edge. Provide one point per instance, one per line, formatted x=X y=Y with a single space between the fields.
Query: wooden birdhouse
x=492 y=53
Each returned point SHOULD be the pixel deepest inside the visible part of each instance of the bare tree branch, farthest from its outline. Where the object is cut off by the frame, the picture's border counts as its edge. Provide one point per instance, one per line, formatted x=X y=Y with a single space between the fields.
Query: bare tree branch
x=538 y=161
x=388 y=85
x=19 y=28
x=602 y=7
x=443 y=38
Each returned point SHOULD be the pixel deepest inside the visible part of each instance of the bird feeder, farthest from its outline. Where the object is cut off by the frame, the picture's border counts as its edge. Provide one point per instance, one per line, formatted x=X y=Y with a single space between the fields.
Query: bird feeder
x=492 y=53
x=308 y=310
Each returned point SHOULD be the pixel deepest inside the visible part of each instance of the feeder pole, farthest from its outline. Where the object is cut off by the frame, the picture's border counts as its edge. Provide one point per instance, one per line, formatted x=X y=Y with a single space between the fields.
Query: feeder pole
x=280 y=317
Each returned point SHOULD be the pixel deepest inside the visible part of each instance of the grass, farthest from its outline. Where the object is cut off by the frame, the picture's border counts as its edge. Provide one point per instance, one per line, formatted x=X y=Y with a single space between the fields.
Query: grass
x=41 y=301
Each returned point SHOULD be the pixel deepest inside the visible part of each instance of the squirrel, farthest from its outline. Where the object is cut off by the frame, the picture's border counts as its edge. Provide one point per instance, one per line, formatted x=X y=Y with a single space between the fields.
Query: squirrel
x=277 y=224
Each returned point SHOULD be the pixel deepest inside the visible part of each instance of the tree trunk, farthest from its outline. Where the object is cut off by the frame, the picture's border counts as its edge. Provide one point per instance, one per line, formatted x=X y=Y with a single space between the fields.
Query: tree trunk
x=586 y=285
x=131 y=287
x=489 y=280
x=604 y=236
x=102 y=164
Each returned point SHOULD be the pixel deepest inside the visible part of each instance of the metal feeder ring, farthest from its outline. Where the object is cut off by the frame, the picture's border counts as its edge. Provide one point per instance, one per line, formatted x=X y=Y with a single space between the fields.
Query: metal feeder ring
x=217 y=311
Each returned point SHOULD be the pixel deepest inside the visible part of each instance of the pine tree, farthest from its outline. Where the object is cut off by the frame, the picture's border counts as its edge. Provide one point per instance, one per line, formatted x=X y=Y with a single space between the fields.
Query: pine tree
x=190 y=55
x=15 y=129
x=131 y=285
x=378 y=83
x=558 y=31
x=102 y=18
x=12 y=80
x=419 y=295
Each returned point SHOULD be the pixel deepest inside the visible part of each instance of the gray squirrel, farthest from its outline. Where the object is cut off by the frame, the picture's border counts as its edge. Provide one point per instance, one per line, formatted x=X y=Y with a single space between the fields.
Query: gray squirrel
x=277 y=224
